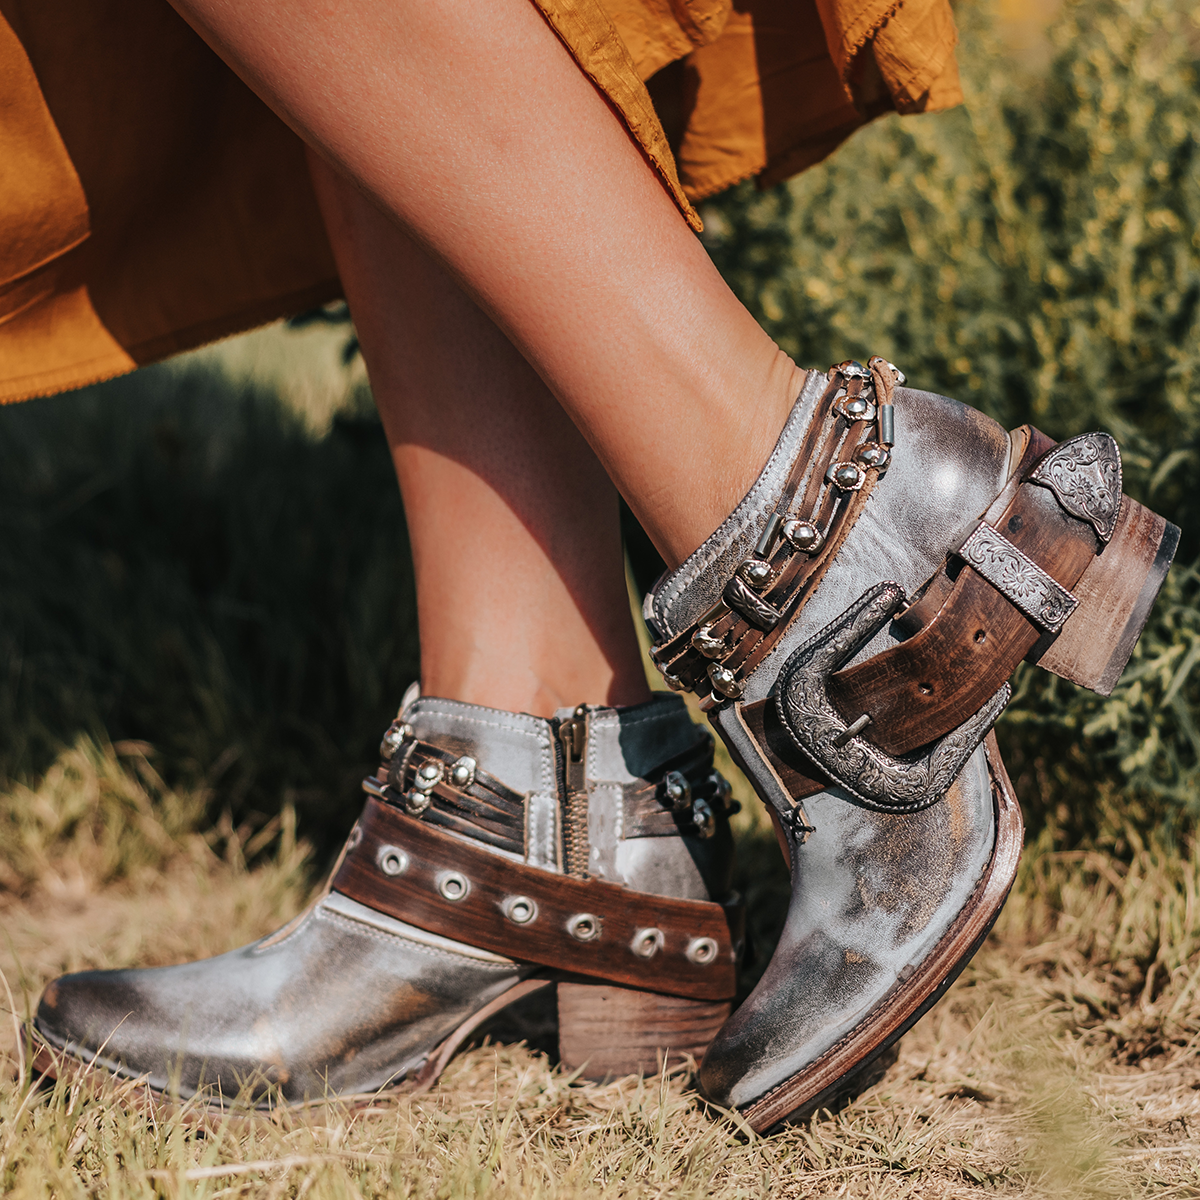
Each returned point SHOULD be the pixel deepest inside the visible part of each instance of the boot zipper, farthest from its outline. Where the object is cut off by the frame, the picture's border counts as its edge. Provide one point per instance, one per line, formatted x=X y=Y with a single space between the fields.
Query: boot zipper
x=572 y=738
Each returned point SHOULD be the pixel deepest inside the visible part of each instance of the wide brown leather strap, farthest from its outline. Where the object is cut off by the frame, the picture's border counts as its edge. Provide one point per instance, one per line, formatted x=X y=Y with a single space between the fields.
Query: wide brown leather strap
x=1009 y=585
x=444 y=884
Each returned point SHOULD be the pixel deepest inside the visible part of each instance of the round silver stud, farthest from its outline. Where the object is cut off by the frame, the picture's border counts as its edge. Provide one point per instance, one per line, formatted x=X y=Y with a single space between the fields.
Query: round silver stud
x=723 y=789
x=853 y=370
x=391 y=860
x=520 y=910
x=756 y=572
x=647 y=942
x=708 y=643
x=453 y=885
x=398 y=733
x=429 y=775
x=846 y=475
x=462 y=771
x=702 y=951
x=724 y=681
x=676 y=790
x=804 y=535
x=872 y=455
x=703 y=818
x=416 y=802
x=584 y=927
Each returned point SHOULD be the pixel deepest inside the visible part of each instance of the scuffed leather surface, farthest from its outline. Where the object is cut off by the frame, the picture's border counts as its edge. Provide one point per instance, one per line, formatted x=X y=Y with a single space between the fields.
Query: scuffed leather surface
x=348 y=1001
x=871 y=894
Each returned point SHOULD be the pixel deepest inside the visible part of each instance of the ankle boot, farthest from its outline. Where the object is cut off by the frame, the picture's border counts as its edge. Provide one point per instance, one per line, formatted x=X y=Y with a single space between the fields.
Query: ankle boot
x=850 y=629
x=498 y=854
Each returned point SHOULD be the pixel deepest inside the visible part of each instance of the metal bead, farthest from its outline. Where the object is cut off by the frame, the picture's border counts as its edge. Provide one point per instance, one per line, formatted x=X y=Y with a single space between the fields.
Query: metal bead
x=756 y=572
x=724 y=681
x=872 y=455
x=846 y=475
x=852 y=370
x=648 y=942
x=702 y=951
x=398 y=733
x=453 y=885
x=704 y=818
x=708 y=644
x=584 y=927
x=391 y=860
x=676 y=790
x=804 y=535
x=520 y=910
x=462 y=771
x=429 y=775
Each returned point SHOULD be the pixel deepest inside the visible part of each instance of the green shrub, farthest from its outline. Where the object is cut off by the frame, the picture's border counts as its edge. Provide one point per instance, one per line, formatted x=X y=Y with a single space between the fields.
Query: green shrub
x=1035 y=253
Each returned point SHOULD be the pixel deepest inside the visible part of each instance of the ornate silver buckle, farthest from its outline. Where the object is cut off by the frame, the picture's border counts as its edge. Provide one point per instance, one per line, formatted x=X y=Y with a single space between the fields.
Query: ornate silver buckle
x=878 y=779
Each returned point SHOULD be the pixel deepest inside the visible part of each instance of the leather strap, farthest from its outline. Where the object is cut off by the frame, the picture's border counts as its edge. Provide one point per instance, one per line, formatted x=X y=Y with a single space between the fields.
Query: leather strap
x=919 y=689
x=401 y=866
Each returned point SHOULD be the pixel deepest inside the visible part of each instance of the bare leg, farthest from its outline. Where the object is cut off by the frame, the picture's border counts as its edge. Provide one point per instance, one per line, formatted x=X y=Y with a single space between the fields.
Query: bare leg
x=474 y=128
x=513 y=522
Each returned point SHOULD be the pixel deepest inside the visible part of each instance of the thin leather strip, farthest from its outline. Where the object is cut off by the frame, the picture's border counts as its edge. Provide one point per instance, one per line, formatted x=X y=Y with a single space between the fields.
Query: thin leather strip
x=479 y=917
x=920 y=689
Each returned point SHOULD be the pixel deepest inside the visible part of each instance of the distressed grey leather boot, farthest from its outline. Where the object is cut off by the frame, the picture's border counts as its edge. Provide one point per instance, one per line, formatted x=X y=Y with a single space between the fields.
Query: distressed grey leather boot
x=498 y=854
x=851 y=628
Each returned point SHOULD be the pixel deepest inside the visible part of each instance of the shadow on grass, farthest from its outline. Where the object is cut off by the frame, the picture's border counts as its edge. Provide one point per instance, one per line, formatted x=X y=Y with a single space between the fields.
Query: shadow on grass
x=184 y=563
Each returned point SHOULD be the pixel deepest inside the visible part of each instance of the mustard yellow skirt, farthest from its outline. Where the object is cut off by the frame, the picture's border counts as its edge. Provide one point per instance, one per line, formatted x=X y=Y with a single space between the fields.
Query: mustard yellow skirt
x=149 y=202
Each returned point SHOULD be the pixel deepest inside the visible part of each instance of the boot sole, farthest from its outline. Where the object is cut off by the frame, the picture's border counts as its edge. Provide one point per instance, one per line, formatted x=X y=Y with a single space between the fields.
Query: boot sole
x=838 y=1071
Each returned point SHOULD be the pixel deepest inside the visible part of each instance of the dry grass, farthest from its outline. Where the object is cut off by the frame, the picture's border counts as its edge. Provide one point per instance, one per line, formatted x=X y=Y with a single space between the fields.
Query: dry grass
x=1062 y=1064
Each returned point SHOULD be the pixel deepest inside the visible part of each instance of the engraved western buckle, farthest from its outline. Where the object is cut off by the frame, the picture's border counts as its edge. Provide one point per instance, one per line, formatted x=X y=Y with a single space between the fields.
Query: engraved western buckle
x=878 y=779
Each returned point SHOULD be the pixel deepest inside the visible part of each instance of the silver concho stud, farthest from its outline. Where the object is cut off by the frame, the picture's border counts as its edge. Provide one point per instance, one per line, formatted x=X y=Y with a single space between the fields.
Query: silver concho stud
x=416 y=802
x=462 y=771
x=857 y=408
x=703 y=818
x=852 y=370
x=724 y=681
x=398 y=733
x=676 y=790
x=872 y=455
x=804 y=535
x=429 y=775
x=757 y=573
x=847 y=476
x=708 y=644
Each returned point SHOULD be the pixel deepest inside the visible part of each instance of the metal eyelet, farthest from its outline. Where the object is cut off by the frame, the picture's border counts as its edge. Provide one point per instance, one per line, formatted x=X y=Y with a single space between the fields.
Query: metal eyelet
x=648 y=942
x=702 y=951
x=462 y=771
x=584 y=927
x=453 y=885
x=391 y=860
x=520 y=910
x=676 y=790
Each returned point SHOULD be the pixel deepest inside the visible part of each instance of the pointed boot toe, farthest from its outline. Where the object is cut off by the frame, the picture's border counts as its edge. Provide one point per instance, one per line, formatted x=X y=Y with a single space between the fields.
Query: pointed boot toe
x=498 y=854
x=850 y=630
